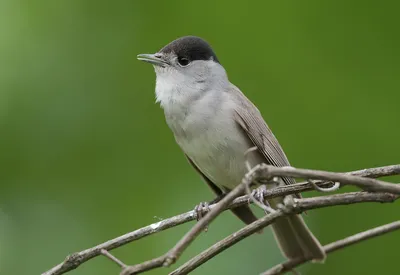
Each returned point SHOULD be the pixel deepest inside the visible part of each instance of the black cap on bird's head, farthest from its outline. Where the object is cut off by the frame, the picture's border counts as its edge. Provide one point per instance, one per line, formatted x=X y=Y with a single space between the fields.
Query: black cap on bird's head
x=185 y=49
x=192 y=48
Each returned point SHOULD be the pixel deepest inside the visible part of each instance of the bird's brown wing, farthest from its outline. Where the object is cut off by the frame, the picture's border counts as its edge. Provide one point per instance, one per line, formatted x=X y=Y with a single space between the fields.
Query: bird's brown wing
x=250 y=120
x=242 y=212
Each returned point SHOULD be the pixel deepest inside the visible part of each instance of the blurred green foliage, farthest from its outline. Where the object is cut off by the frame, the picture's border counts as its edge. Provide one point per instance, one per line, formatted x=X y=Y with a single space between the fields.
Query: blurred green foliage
x=85 y=154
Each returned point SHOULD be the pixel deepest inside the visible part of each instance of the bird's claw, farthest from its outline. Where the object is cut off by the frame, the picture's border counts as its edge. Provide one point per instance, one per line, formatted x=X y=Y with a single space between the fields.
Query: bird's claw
x=201 y=210
x=258 y=195
x=287 y=204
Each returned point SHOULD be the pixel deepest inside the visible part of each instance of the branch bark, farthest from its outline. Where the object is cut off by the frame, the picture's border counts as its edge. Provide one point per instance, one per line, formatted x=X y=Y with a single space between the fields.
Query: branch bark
x=76 y=259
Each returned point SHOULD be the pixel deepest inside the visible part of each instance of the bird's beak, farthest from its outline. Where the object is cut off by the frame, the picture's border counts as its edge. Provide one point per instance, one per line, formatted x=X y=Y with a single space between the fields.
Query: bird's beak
x=155 y=59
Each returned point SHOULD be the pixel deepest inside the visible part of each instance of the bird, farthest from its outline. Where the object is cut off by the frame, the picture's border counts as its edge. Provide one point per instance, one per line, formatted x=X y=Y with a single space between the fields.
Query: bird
x=215 y=124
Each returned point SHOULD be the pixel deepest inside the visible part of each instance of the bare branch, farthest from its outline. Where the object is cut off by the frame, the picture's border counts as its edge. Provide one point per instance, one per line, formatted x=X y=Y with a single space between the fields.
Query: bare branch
x=377 y=172
x=145 y=266
x=76 y=259
x=112 y=258
x=300 y=205
x=377 y=231
x=368 y=184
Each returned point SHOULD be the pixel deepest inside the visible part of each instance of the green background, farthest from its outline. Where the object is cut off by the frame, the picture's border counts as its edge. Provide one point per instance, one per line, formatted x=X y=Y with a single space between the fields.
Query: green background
x=85 y=154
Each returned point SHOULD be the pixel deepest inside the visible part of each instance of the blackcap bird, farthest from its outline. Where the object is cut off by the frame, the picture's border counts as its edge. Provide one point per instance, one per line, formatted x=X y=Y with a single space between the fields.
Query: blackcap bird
x=214 y=124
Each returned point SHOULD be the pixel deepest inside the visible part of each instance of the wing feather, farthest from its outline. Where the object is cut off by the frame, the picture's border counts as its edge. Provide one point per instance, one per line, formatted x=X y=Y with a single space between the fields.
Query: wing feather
x=251 y=121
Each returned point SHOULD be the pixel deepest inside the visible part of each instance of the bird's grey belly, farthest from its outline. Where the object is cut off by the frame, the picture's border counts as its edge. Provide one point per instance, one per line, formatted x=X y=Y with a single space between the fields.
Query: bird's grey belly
x=221 y=158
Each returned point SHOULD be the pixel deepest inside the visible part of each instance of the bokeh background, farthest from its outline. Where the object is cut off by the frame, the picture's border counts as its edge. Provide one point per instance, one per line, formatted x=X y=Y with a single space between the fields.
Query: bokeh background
x=85 y=154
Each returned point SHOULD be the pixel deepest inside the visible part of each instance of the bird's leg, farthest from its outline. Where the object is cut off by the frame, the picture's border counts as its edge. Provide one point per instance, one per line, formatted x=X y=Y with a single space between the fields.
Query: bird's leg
x=201 y=210
x=258 y=195
x=287 y=204
x=204 y=207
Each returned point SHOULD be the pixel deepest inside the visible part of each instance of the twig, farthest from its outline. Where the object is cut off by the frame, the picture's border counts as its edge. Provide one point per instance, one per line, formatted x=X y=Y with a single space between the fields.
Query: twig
x=112 y=258
x=300 y=205
x=368 y=184
x=374 y=232
x=377 y=172
x=76 y=259
x=335 y=187
x=145 y=266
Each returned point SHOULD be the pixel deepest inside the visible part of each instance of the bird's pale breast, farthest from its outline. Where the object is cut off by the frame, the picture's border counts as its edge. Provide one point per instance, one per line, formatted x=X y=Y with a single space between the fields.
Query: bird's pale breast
x=217 y=147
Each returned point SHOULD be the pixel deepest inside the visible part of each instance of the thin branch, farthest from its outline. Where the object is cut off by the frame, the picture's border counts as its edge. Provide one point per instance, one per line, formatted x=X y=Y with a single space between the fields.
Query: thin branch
x=377 y=172
x=374 y=232
x=76 y=259
x=368 y=184
x=300 y=205
x=112 y=258
x=145 y=266
x=335 y=187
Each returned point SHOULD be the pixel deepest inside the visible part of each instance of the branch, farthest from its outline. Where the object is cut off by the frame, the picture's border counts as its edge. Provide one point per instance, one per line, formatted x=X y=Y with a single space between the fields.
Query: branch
x=374 y=232
x=368 y=184
x=76 y=259
x=299 y=205
x=377 y=172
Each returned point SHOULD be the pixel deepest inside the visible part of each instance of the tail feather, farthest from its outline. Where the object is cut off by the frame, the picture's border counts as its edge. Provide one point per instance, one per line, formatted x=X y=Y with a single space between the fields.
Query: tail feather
x=296 y=240
x=245 y=214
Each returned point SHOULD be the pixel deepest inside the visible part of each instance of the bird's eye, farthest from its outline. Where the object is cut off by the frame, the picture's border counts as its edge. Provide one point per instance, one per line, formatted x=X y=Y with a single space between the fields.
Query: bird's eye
x=183 y=61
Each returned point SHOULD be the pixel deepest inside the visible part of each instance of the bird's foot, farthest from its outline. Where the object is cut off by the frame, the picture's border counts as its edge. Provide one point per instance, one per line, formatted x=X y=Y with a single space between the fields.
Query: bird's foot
x=287 y=205
x=258 y=196
x=201 y=210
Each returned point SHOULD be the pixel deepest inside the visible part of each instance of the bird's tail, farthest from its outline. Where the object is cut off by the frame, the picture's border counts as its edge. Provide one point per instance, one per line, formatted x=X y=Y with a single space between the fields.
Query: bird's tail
x=296 y=240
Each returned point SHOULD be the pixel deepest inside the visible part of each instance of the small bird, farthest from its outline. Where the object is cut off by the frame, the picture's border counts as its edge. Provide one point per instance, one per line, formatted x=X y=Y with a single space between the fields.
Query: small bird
x=215 y=124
